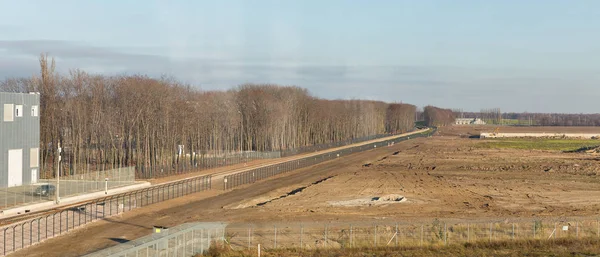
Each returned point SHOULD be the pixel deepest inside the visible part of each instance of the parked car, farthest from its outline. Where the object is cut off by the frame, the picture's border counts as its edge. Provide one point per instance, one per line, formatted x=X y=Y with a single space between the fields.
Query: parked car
x=45 y=190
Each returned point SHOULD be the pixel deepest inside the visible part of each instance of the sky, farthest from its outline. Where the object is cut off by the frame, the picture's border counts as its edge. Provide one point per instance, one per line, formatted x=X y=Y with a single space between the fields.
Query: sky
x=520 y=56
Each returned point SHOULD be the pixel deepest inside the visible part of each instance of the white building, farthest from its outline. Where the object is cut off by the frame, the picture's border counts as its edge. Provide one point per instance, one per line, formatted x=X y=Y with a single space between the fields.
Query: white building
x=469 y=121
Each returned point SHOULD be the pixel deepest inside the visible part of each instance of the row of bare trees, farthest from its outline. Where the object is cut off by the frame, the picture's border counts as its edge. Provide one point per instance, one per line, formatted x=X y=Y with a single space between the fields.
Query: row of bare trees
x=537 y=119
x=438 y=117
x=108 y=121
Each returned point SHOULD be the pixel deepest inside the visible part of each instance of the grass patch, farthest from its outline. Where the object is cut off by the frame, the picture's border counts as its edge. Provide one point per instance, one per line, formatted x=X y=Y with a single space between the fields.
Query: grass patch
x=558 y=247
x=540 y=144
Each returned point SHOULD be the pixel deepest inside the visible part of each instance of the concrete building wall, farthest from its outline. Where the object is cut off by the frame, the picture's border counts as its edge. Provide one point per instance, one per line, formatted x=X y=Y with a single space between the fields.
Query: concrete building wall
x=19 y=129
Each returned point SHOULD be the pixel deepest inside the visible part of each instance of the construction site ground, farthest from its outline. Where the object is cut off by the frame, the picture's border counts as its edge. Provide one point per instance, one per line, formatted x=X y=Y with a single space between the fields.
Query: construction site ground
x=445 y=176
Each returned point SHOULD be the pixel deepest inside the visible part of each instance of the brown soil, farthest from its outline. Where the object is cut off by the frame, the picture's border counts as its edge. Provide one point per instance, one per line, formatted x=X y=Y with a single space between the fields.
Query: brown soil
x=440 y=177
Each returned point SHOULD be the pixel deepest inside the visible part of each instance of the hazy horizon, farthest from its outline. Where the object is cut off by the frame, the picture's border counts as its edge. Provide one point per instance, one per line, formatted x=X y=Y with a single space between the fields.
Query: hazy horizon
x=534 y=56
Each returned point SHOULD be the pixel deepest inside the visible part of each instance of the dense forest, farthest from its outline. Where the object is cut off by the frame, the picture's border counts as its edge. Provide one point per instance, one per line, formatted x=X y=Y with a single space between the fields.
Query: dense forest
x=109 y=121
x=438 y=117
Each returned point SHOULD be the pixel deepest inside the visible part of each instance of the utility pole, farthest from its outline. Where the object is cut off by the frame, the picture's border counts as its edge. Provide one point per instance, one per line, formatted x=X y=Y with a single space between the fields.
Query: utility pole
x=57 y=193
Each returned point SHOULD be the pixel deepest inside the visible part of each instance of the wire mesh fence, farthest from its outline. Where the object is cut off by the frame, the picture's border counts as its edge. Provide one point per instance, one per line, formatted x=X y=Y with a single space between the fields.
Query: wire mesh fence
x=195 y=162
x=251 y=176
x=437 y=232
x=184 y=240
x=23 y=234
x=46 y=189
x=196 y=238
x=319 y=147
x=191 y=162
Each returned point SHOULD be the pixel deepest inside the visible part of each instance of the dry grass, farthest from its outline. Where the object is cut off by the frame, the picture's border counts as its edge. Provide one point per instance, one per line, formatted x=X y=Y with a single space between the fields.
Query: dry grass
x=558 y=247
x=540 y=144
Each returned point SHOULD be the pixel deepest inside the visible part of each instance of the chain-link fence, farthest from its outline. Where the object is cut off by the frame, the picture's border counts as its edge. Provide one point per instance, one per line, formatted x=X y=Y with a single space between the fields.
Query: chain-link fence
x=437 y=232
x=200 y=161
x=196 y=238
x=196 y=162
x=254 y=175
x=319 y=147
x=23 y=234
x=184 y=240
x=46 y=189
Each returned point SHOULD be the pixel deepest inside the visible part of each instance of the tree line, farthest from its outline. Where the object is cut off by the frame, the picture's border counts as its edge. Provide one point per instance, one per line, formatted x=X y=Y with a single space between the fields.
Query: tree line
x=438 y=117
x=537 y=119
x=111 y=121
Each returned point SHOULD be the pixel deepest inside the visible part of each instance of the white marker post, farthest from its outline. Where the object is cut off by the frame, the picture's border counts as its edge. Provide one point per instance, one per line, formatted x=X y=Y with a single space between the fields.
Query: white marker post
x=57 y=193
x=105 y=186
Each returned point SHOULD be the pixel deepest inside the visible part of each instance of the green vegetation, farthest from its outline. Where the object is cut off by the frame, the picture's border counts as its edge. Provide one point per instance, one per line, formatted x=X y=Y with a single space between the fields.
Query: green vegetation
x=558 y=247
x=511 y=122
x=540 y=144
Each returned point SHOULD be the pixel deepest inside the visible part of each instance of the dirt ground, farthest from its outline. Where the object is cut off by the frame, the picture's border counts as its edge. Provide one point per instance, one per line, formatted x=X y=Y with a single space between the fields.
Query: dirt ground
x=445 y=176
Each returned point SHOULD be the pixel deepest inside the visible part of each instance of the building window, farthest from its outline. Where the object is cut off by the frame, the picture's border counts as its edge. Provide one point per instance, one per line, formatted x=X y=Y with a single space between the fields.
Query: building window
x=19 y=111
x=9 y=112
x=34 y=111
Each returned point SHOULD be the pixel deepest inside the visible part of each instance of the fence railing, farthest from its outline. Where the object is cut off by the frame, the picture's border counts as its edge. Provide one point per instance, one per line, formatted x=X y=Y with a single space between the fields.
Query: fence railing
x=195 y=162
x=30 y=232
x=319 y=147
x=184 y=240
x=201 y=162
x=251 y=176
x=437 y=232
x=69 y=185
x=196 y=238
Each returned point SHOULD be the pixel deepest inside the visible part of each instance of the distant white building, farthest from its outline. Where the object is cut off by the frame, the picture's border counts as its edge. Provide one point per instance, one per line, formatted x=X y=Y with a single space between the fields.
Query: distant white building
x=469 y=121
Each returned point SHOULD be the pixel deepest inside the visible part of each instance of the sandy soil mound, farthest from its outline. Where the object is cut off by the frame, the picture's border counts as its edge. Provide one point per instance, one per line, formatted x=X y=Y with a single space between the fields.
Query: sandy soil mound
x=369 y=201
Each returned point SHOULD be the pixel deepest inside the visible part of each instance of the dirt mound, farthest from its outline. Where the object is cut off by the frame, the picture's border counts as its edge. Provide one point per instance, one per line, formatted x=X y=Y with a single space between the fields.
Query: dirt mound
x=377 y=200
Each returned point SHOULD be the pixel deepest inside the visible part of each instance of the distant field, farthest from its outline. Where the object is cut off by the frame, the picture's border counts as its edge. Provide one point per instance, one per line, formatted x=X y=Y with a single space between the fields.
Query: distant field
x=539 y=144
x=512 y=122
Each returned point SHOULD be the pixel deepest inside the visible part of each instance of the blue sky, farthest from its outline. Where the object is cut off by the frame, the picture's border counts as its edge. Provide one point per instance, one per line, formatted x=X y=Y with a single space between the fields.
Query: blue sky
x=536 y=56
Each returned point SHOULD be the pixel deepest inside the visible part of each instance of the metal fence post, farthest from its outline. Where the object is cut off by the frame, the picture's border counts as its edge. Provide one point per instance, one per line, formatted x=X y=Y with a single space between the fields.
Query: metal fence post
x=445 y=234
x=351 y=237
x=513 y=231
x=326 y=231
x=375 y=235
x=301 y=234
x=490 y=232
x=421 y=236
x=249 y=237
x=468 y=232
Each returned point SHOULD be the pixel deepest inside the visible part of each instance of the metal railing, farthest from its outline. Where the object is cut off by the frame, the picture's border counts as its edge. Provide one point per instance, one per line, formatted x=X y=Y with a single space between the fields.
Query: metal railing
x=438 y=232
x=184 y=240
x=201 y=162
x=251 y=176
x=196 y=238
x=30 y=232
x=319 y=147
x=69 y=186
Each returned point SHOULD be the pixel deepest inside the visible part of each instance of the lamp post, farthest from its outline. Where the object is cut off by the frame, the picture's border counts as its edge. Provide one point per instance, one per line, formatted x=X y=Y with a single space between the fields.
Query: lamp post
x=58 y=175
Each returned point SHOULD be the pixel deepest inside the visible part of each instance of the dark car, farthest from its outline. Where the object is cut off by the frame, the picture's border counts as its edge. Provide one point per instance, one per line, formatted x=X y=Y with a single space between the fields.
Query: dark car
x=45 y=190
